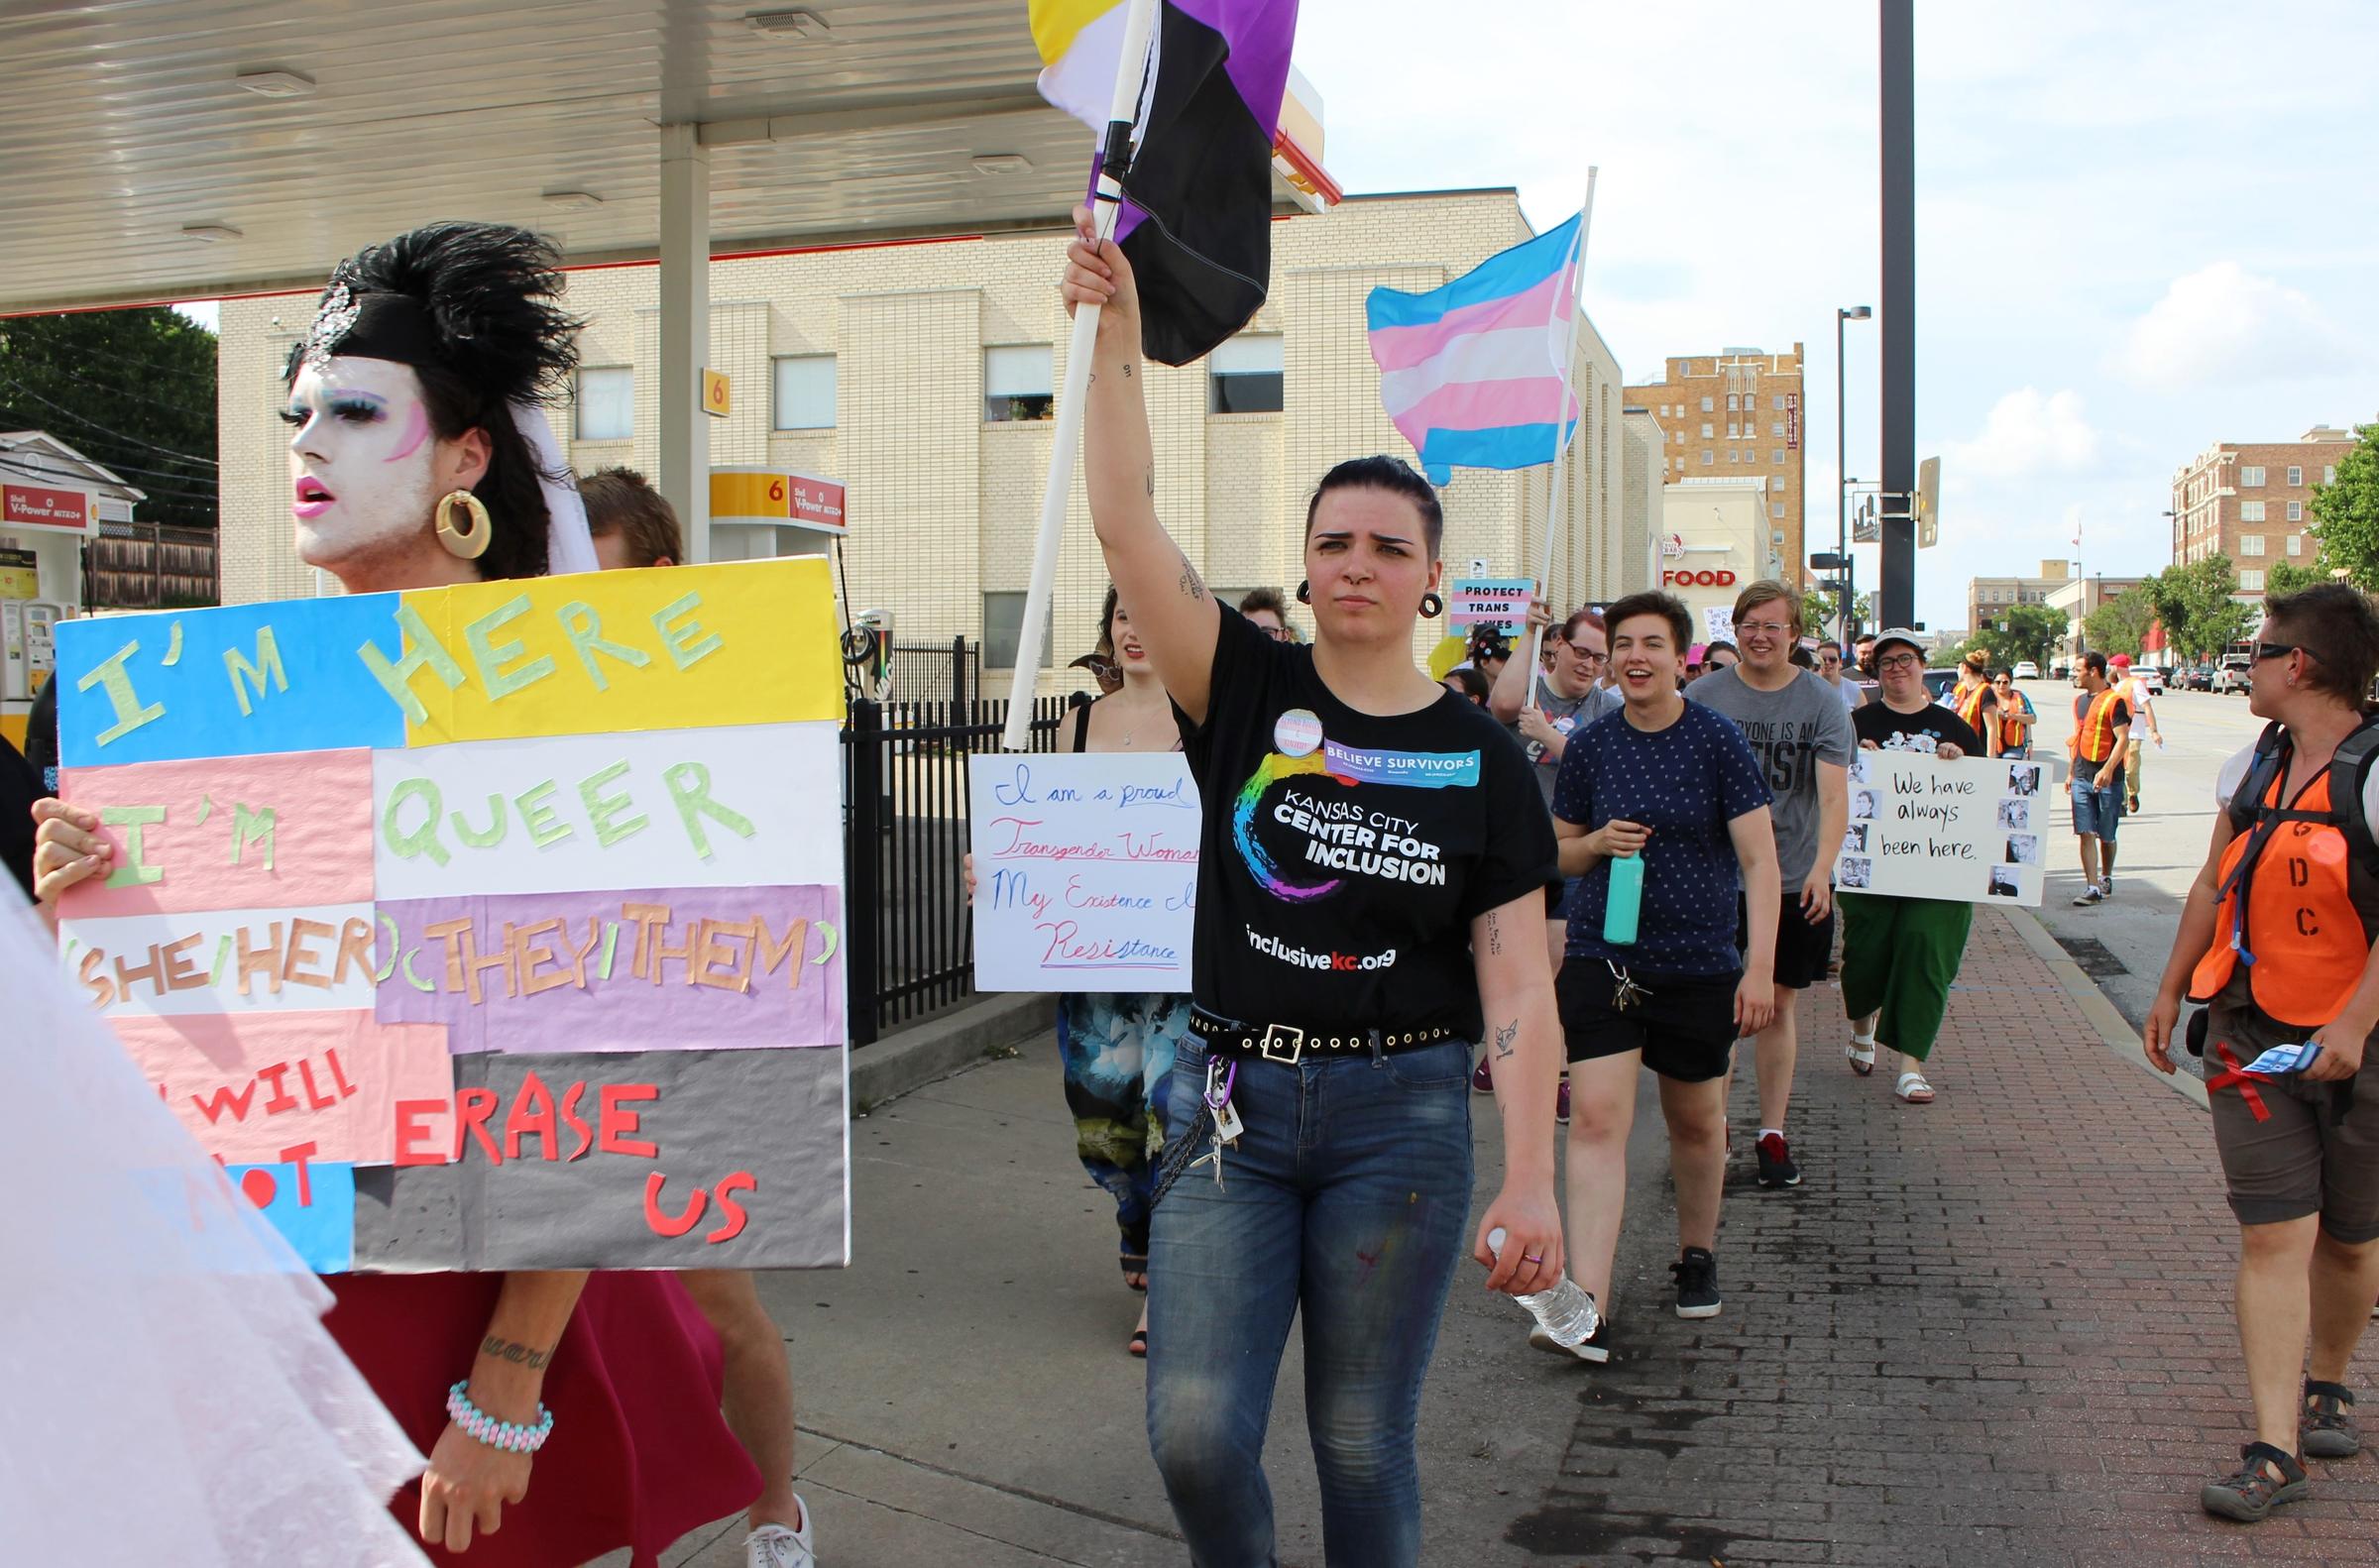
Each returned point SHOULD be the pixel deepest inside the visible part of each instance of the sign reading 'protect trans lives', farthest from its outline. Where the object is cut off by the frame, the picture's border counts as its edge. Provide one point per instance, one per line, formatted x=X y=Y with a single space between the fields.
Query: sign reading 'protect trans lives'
x=489 y=926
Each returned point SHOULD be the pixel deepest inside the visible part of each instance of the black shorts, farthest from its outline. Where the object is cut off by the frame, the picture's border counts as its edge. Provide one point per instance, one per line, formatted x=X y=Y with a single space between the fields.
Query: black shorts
x=1684 y=1023
x=1802 y=950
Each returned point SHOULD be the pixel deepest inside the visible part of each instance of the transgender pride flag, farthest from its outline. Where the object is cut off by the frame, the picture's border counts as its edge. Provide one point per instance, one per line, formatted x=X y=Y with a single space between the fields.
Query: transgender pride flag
x=1472 y=372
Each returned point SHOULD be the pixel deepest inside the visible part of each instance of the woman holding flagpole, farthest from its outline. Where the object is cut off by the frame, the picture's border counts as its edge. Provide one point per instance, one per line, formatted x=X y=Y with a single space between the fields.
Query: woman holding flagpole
x=1370 y=901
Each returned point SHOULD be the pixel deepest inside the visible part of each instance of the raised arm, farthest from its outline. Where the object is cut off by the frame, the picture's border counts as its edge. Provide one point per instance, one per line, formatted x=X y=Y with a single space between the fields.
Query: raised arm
x=1509 y=692
x=1171 y=610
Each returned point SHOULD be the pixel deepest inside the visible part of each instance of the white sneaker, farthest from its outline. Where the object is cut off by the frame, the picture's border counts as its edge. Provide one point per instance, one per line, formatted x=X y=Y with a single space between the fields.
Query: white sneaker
x=774 y=1546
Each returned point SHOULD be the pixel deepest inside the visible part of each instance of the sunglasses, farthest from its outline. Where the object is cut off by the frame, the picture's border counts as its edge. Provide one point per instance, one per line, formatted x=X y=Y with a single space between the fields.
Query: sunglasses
x=2278 y=650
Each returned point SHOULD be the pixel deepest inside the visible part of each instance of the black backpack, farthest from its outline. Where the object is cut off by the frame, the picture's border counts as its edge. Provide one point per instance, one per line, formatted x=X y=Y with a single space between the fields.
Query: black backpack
x=2351 y=764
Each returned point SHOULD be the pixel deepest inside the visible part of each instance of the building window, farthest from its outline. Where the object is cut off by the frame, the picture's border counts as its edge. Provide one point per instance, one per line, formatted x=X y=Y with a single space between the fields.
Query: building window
x=1676 y=437
x=2250 y=544
x=2329 y=473
x=804 y=392
x=1732 y=430
x=1730 y=403
x=2295 y=545
x=2296 y=475
x=1707 y=457
x=1778 y=403
x=1776 y=455
x=1706 y=406
x=2250 y=478
x=2251 y=582
x=607 y=403
x=2250 y=512
x=1003 y=628
x=1775 y=431
x=1733 y=456
x=1776 y=509
x=1017 y=386
x=1244 y=375
x=1779 y=481
x=2296 y=512
x=1705 y=429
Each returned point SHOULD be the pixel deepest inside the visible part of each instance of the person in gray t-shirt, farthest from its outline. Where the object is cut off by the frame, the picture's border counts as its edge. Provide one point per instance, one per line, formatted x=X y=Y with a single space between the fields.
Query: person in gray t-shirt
x=1801 y=733
x=1568 y=694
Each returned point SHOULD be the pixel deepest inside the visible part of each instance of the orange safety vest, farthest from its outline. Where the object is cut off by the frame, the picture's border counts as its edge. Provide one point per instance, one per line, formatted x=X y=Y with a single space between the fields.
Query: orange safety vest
x=2013 y=734
x=2098 y=725
x=2287 y=909
x=1969 y=706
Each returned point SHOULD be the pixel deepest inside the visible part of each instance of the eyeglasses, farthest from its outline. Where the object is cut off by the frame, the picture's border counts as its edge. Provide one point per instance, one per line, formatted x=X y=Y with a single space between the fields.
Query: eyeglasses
x=1765 y=628
x=1279 y=634
x=1899 y=661
x=1829 y=658
x=1584 y=654
x=2278 y=650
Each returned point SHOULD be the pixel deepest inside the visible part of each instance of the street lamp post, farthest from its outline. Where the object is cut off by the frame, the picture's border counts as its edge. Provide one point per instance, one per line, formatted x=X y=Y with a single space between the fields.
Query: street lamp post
x=1842 y=505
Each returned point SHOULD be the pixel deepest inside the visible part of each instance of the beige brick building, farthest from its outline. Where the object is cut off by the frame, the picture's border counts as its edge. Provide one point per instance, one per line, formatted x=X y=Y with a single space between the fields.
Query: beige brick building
x=1739 y=414
x=1987 y=598
x=919 y=373
x=2252 y=502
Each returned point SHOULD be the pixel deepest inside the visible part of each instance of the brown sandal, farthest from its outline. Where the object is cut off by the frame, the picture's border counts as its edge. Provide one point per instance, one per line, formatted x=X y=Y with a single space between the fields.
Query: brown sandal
x=2253 y=1490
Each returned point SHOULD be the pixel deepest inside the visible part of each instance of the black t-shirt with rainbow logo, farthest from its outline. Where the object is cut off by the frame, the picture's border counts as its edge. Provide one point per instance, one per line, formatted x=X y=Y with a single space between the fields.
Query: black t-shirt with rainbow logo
x=1344 y=855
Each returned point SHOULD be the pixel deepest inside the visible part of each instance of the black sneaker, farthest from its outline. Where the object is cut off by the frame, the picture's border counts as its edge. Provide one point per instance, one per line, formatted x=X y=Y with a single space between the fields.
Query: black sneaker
x=1775 y=1162
x=1696 y=1273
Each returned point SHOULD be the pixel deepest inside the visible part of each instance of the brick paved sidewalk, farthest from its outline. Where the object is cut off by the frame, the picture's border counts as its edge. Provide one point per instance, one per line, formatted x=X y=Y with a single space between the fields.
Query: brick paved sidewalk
x=1992 y=1330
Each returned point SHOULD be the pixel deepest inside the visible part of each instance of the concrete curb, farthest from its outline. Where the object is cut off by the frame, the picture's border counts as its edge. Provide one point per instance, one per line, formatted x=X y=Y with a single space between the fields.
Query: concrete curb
x=912 y=1057
x=2113 y=1029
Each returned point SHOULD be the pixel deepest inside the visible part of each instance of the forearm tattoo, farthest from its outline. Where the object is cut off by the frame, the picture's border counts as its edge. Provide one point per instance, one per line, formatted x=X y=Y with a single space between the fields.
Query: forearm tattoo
x=515 y=1352
x=1505 y=1035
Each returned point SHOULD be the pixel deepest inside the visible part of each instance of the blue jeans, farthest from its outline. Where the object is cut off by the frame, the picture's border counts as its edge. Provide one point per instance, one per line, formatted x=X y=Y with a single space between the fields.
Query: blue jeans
x=1348 y=1196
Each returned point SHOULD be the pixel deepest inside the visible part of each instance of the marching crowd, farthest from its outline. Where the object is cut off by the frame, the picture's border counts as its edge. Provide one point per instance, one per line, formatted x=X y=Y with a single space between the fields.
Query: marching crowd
x=1632 y=844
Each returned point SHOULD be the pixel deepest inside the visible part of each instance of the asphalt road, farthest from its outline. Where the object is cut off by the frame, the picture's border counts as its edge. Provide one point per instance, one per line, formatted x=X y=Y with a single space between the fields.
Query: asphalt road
x=2123 y=943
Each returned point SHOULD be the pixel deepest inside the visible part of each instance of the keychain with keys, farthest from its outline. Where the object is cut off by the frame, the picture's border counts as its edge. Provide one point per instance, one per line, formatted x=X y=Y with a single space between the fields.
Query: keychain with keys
x=1627 y=993
x=1222 y=1078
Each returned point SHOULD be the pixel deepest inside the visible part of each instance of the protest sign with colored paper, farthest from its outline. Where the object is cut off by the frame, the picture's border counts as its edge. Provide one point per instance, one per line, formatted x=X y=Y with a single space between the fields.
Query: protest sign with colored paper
x=487 y=926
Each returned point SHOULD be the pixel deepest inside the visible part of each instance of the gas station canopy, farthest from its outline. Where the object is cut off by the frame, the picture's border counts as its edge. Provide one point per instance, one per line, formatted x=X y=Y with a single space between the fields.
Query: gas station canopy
x=169 y=150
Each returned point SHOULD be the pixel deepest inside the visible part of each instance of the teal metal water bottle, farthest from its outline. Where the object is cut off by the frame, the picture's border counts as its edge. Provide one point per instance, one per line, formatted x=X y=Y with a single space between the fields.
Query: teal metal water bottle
x=1626 y=901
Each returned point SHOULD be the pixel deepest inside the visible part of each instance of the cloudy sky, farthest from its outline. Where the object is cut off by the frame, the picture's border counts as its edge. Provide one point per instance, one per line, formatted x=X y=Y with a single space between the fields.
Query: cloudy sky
x=2141 y=229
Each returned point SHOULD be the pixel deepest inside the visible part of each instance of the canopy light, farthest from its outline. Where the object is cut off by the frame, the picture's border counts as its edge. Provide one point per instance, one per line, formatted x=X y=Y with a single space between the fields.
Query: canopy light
x=209 y=232
x=570 y=200
x=789 y=23
x=274 y=83
x=1001 y=162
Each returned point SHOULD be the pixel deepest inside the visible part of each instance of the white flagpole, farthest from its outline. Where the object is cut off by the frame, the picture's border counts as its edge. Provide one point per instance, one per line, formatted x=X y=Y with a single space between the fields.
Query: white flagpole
x=1553 y=501
x=1124 y=108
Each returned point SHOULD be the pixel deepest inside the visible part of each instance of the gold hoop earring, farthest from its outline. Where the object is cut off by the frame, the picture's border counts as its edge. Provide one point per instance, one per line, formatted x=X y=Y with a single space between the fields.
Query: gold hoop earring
x=467 y=545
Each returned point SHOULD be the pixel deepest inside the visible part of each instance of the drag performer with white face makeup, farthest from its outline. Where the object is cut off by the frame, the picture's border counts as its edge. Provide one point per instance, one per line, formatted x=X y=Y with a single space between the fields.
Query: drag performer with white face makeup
x=419 y=456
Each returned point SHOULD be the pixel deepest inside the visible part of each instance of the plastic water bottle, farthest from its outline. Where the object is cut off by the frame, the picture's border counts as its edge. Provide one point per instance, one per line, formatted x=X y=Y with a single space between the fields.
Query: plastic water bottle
x=1626 y=902
x=1566 y=1312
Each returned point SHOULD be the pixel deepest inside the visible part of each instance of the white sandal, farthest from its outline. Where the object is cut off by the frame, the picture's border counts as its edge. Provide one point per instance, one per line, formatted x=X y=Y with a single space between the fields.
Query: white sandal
x=1914 y=1089
x=1862 y=1053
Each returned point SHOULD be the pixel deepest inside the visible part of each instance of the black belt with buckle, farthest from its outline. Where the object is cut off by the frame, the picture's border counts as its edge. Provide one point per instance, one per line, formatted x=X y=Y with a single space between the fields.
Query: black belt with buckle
x=1287 y=1044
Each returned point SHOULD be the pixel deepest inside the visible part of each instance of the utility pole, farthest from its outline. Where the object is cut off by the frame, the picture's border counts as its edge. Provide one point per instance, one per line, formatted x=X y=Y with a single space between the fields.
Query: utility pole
x=1896 y=587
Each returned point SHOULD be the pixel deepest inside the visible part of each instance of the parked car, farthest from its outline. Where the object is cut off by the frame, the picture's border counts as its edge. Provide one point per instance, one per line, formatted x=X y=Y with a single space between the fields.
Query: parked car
x=2061 y=671
x=2232 y=676
x=1939 y=683
x=2153 y=679
x=2195 y=678
x=2026 y=670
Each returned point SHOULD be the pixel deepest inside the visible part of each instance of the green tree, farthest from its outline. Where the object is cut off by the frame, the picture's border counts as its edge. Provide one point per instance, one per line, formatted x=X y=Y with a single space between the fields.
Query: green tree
x=1824 y=610
x=2019 y=633
x=2345 y=512
x=2201 y=617
x=2285 y=577
x=2120 y=624
x=133 y=391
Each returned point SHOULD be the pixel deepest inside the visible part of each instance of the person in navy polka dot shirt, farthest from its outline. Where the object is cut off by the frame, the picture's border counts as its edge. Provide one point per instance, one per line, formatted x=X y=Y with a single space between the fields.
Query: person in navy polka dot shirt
x=1676 y=783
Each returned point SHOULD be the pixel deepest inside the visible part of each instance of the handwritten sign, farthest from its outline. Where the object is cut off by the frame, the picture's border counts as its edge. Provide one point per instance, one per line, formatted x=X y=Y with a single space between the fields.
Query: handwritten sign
x=1086 y=871
x=489 y=926
x=1969 y=830
x=1489 y=602
x=1718 y=623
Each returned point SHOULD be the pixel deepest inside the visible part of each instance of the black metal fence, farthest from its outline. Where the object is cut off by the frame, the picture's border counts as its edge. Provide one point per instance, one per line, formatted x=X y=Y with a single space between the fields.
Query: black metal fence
x=908 y=931
x=938 y=672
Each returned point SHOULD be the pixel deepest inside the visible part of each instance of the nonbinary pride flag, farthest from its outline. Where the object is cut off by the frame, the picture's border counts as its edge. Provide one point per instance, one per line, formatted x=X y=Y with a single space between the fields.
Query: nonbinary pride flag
x=1197 y=219
x=1471 y=372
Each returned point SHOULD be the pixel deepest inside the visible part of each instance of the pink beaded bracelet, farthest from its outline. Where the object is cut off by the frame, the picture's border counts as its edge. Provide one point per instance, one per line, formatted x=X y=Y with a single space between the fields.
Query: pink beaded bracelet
x=509 y=1436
